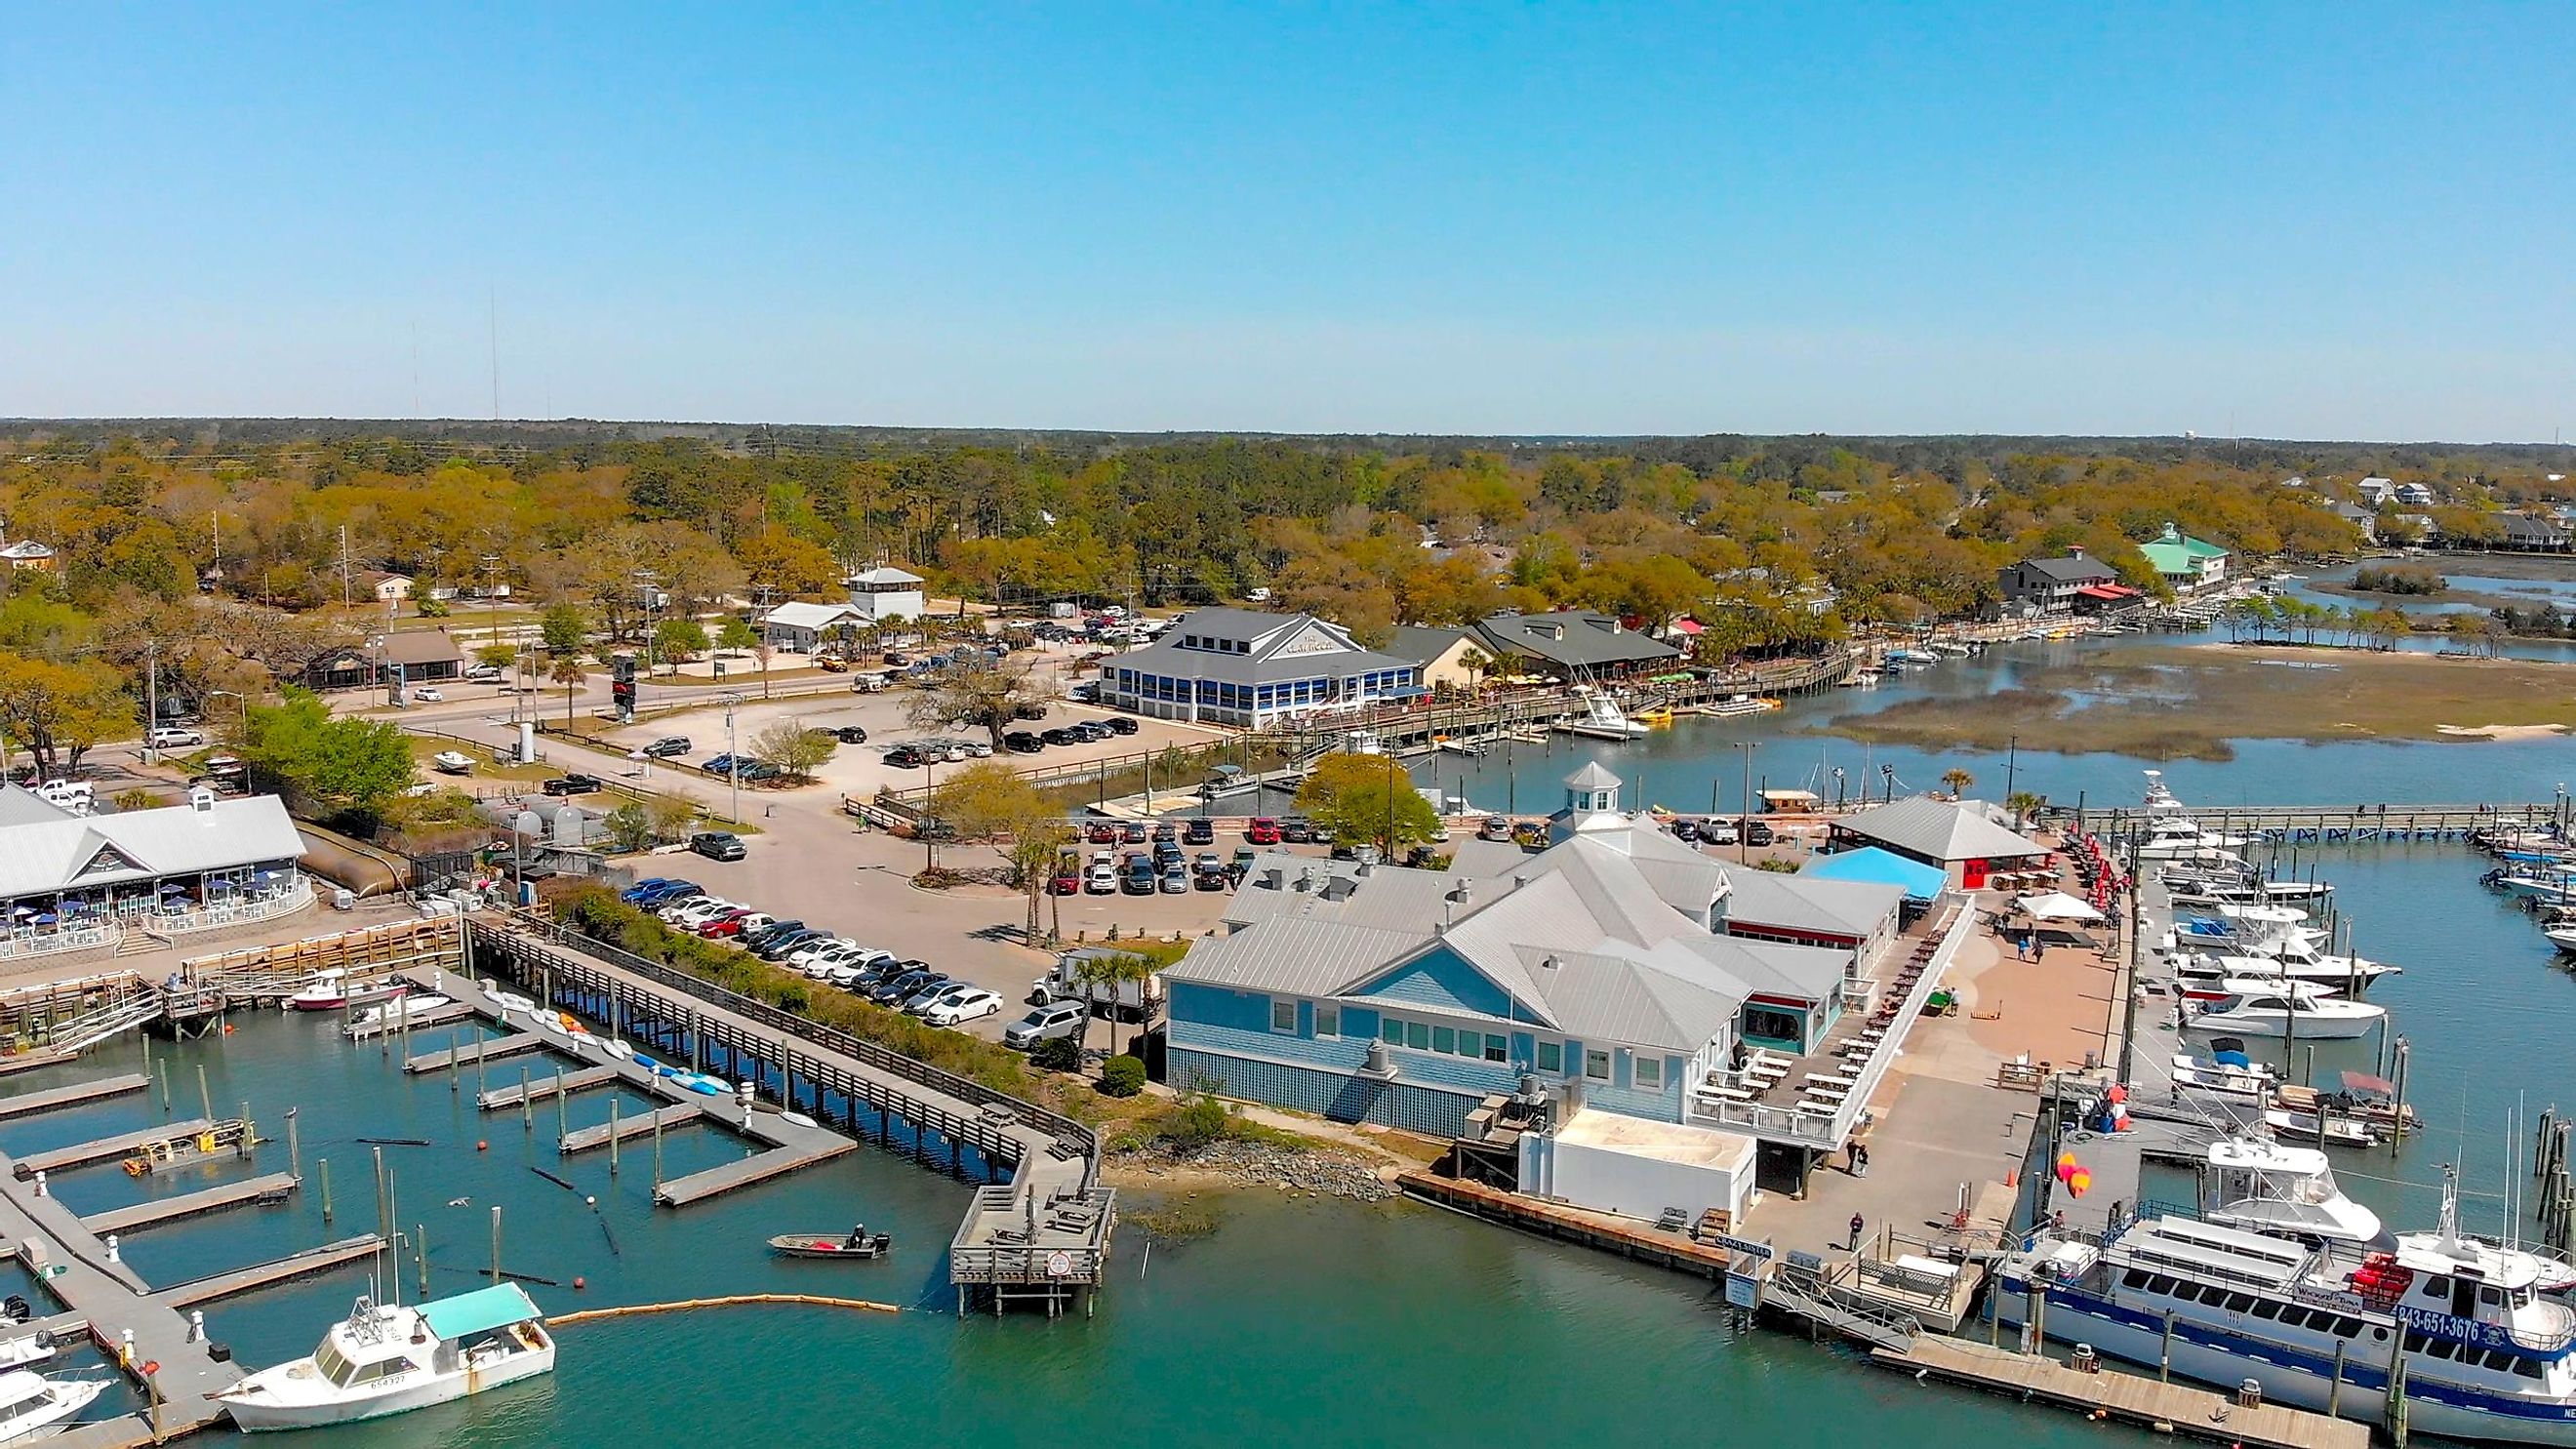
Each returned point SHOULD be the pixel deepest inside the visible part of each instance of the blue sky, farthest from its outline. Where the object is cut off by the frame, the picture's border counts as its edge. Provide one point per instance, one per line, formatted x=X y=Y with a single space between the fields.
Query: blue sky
x=2321 y=221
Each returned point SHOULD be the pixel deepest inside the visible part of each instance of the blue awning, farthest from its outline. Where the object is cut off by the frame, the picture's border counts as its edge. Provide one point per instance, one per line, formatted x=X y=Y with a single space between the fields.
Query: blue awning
x=480 y=1311
x=1920 y=882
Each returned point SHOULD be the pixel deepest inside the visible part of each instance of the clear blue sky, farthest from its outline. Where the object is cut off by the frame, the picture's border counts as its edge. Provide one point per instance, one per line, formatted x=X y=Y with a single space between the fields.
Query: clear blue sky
x=2288 y=220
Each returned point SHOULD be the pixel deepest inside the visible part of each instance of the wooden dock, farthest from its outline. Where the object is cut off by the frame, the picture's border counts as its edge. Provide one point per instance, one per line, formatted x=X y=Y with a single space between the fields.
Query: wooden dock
x=627 y=1129
x=436 y=1016
x=1569 y=1224
x=805 y=1147
x=466 y=1054
x=276 y=1270
x=267 y=1187
x=29 y=1103
x=101 y=1149
x=540 y=1089
x=2180 y=1409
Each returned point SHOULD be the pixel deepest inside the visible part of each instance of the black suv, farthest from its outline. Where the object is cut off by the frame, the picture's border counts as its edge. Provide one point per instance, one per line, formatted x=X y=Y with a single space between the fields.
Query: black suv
x=1021 y=742
x=572 y=785
x=667 y=746
x=1059 y=736
x=1756 y=833
x=1120 y=724
x=903 y=757
x=851 y=735
x=1199 y=831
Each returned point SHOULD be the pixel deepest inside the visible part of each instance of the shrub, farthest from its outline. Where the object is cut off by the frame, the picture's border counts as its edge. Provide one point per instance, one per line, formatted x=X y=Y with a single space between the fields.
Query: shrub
x=1057 y=1054
x=1122 y=1077
x=1197 y=1121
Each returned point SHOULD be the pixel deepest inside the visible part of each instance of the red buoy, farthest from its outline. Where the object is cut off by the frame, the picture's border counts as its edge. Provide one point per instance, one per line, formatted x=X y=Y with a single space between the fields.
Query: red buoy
x=480 y=1146
x=578 y=1285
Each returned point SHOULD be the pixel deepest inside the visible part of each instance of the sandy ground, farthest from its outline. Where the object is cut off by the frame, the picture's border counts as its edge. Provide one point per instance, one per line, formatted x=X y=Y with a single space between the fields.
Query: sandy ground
x=2501 y=731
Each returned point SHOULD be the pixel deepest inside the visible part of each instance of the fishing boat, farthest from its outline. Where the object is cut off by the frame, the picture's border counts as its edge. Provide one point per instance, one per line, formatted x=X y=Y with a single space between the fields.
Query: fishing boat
x=19 y=1352
x=392 y=1359
x=857 y=1243
x=1861 y=679
x=1603 y=720
x=2483 y=1354
x=393 y=1014
x=2287 y=1192
x=2170 y=833
x=327 y=991
x=32 y=1405
x=2227 y=1073
x=2279 y=1006
x=2326 y=1129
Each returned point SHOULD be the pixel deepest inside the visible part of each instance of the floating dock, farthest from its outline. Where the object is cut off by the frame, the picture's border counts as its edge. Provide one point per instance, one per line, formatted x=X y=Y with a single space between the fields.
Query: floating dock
x=2178 y=1409
x=797 y=1147
x=466 y=1054
x=544 y=1088
x=1571 y=1224
x=276 y=1270
x=268 y=1187
x=101 y=1149
x=627 y=1129
x=30 y=1103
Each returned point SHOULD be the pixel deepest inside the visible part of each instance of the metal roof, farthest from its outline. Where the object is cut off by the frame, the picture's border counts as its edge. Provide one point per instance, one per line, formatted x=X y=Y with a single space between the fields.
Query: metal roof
x=1938 y=830
x=2070 y=570
x=421 y=646
x=1572 y=637
x=1878 y=867
x=809 y=616
x=45 y=856
x=1279 y=647
x=1807 y=903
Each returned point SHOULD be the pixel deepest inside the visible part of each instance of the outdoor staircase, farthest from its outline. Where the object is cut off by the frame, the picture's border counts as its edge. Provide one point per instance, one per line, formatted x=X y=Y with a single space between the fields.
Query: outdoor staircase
x=80 y=1033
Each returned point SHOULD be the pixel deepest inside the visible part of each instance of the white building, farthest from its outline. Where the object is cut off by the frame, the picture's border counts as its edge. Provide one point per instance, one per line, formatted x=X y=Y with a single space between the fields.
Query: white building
x=804 y=627
x=72 y=882
x=886 y=593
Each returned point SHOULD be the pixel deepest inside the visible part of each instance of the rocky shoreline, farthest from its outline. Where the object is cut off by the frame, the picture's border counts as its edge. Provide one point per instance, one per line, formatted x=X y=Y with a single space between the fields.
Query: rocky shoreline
x=1238 y=1163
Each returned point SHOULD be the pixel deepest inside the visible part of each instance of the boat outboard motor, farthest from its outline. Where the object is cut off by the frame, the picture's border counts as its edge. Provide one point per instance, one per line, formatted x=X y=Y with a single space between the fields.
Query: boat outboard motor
x=14 y=1309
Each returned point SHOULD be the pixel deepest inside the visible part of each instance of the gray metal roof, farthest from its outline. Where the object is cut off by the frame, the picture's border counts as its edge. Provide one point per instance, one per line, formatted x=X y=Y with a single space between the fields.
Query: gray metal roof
x=45 y=856
x=2070 y=570
x=422 y=646
x=22 y=806
x=1576 y=638
x=1415 y=644
x=1806 y=902
x=1938 y=830
x=1268 y=635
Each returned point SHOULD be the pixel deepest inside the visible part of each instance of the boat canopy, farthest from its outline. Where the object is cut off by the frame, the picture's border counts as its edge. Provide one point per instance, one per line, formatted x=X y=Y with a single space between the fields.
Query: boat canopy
x=480 y=1311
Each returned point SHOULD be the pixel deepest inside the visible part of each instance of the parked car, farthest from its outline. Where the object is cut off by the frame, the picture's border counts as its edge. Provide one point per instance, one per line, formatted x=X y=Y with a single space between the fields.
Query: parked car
x=1029 y=709
x=1297 y=830
x=1059 y=736
x=483 y=674
x=718 y=765
x=1717 y=832
x=668 y=746
x=1021 y=742
x=900 y=986
x=426 y=695
x=1756 y=833
x=1262 y=831
x=778 y=946
x=963 y=1007
x=736 y=925
x=831 y=664
x=572 y=785
x=1044 y=1023
x=1176 y=879
x=635 y=894
x=905 y=757
x=1101 y=832
x=1496 y=827
x=1066 y=881
x=1119 y=724
x=667 y=892
x=1165 y=832
x=752 y=772
x=718 y=845
x=1140 y=877
x=1101 y=880
x=1090 y=731
x=927 y=990
x=1199 y=831
x=762 y=936
x=172 y=737
x=1131 y=832
x=851 y=735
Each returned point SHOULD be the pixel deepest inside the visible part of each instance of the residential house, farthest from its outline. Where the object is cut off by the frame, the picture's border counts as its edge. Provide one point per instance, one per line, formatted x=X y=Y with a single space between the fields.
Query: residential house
x=885 y=593
x=2049 y=585
x=2415 y=495
x=2188 y=564
x=2524 y=533
x=2375 y=491
x=28 y=554
x=1243 y=667
x=1571 y=644
x=803 y=628
x=1441 y=656
x=384 y=587
x=1960 y=837
x=2359 y=517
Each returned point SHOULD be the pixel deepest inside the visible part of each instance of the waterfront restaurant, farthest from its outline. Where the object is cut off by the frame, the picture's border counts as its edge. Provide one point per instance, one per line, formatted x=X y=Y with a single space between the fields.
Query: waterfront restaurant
x=70 y=882
x=1243 y=667
x=1957 y=836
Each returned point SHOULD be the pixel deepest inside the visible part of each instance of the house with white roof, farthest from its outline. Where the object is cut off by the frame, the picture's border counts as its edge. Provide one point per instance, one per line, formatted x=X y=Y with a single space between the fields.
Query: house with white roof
x=72 y=882
x=803 y=628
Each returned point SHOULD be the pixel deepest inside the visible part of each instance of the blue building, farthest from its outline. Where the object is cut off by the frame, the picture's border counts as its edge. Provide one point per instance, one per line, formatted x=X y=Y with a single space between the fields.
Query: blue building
x=1407 y=997
x=1242 y=667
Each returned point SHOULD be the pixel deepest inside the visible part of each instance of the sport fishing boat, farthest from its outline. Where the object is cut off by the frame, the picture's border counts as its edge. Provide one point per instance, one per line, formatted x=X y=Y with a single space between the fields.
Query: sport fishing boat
x=327 y=991
x=2170 y=833
x=392 y=1359
x=2212 y=883
x=2278 y=1006
x=1602 y=719
x=2481 y=1353
x=2287 y=1192
x=33 y=1406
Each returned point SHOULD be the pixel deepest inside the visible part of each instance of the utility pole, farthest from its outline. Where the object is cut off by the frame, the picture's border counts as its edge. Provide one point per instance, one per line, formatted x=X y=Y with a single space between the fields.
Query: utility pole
x=344 y=565
x=151 y=698
x=2012 y=758
x=1744 y=835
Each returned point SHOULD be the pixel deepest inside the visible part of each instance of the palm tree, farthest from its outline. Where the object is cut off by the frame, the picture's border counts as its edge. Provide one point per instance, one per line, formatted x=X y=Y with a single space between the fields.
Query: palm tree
x=569 y=673
x=1958 y=780
x=1475 y=661
x=2023 y=804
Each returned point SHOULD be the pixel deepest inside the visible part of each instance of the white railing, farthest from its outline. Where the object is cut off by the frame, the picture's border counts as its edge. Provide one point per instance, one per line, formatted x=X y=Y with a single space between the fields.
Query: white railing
x=1828 y=1131
x=228 y=913
x=28 y=941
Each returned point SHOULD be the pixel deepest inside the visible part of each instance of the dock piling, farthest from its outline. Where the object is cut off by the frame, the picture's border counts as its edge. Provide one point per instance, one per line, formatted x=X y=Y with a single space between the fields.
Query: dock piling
x=323 y=1165
x=657 y=1152
x=420 y=1254
x=205 y=1095
x=563 y=1107
x=496 y=1245
x=294 y=1148
x=161 y=1070
x=527 y=1105
x=612 y=1136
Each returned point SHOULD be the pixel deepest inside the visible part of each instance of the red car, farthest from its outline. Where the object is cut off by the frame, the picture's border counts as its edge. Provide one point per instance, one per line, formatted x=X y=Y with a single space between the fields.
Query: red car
x=1264 y=831
x=1065 y=882
x=727 y=924
x=1102 y=833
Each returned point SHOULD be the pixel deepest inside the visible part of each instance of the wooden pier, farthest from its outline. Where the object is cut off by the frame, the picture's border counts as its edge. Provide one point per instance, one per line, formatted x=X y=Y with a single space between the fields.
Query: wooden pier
x=2179 y=1409
x=466 y=1054
x=101 y=1149
x=2362 y=823
x=627 y=1129
x=266 y=1188
x=237 y=1281
x=1639 y=1241
x=863 y=1090
x=29 y=1103
x=557 y=1084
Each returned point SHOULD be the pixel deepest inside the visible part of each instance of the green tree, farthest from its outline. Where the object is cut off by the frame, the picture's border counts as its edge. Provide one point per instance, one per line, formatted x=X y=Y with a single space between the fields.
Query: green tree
x=1957 y=780
x=987 y=799
x=495 y=656
x=792 y=748
x=986 y=697
x=673 y=817
x=57 y=711
x=1035 y=846
x=564 y=628
x=680 y=640
x=629 y=826
x=350 y=765
x=735 y=635
x=569 y=673
x=1367 y=798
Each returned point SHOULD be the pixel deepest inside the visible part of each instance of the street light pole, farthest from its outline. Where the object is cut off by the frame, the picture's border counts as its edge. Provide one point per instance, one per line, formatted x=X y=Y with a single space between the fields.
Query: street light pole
x=733 y=758
x=2012 y=759
x=1744 y=835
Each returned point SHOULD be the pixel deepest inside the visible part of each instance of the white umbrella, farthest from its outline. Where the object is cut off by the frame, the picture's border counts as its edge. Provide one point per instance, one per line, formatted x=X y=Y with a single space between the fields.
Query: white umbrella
x=2056 y=906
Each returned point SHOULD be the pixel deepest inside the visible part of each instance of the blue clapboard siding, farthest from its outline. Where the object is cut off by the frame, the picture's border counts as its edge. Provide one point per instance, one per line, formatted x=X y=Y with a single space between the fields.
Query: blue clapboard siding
x=1217 y=1006
x=1439 y=979
x=1341 y=1097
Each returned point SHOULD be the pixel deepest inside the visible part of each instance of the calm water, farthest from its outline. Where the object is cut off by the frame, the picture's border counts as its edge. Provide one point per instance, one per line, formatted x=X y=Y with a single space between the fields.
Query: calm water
x=1322 y=1323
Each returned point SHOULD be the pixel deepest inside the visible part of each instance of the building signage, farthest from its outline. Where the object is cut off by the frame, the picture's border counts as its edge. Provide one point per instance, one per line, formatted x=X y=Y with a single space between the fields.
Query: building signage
x=2462 y=1330
x=1759 y=1252
x=1743 y=1290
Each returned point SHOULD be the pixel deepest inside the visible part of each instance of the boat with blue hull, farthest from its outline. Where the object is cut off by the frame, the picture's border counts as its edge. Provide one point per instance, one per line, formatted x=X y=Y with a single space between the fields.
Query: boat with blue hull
x=2479 y=1349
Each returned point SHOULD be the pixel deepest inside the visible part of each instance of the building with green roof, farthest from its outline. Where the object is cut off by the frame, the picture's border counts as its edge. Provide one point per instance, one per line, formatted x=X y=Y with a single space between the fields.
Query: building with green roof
x=2186 y=562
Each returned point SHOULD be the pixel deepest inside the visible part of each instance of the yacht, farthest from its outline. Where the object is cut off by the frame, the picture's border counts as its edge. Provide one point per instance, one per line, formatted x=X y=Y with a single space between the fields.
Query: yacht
x=393 y=1359
x=2485 y=1355
x=2287 y=1192
x=2278 y=1006
x=33 y=1406
x=2169 y=833
x=2212 y=883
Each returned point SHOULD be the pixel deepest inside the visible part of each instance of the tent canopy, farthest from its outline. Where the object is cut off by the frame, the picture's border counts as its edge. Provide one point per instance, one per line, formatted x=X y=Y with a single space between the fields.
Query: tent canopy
x=1879 y=867
x=2056 y=906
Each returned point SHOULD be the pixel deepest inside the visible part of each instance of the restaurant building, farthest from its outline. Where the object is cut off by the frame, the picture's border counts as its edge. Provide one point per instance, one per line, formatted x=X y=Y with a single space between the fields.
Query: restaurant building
x=72 y=882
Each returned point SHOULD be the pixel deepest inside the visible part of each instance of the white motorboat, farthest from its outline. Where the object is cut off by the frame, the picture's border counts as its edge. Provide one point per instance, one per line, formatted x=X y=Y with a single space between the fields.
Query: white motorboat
x=452 y=762
x=2278 y=1006
x=31 y=1348
x=394 y=1014
x=2170 y=833
x=327 y=991
x=2250 y=1080
x=2288 y=1192
x=2334 y=973
x=32 y=1405
x=2326 y=1131
x=2563 y=937
x=392 y=1359
x=1604 y=720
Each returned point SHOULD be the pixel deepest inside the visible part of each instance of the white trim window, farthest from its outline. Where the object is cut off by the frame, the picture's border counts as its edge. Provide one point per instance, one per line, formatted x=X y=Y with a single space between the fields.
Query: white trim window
x=1283 y=1016
x=1596 y=1065
x=1649 y=1073
x=1328 y=1020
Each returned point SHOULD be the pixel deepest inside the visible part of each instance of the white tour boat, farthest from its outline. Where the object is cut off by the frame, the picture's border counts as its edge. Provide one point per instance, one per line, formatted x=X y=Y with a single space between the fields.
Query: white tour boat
x=2481 y=1354
x=2279 y=1006
x=393 y=1359
x=31 y=1405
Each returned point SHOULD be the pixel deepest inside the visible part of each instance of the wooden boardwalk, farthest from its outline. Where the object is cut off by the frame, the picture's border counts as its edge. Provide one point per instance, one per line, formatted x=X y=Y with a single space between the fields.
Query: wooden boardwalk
x=465 y=1054
x=2179 y=1409
x=1570 y=1224
x=100 y=1149
x=546 y=1088
x=267 y=1187
x=627 y=1129
x=805 y=1147
x=29 y=1103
